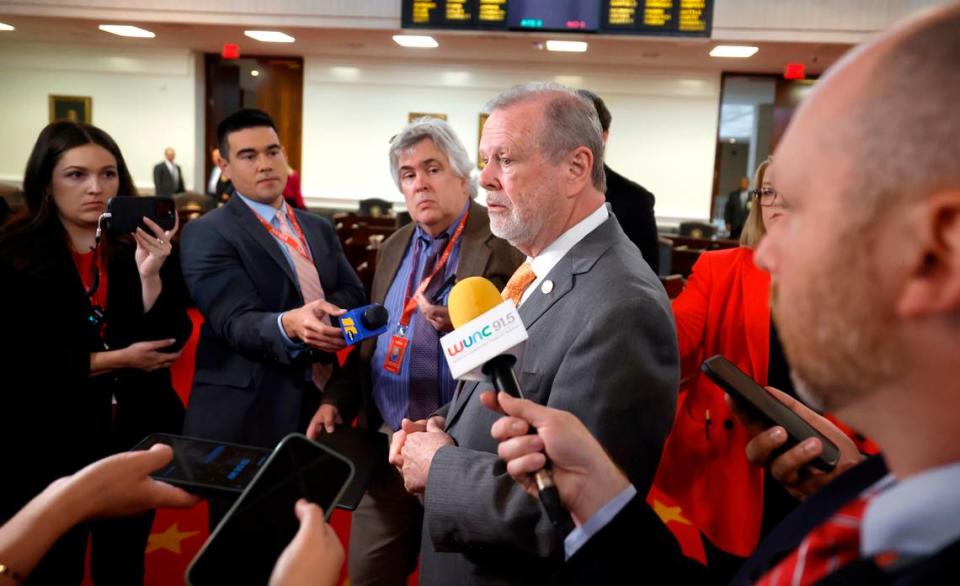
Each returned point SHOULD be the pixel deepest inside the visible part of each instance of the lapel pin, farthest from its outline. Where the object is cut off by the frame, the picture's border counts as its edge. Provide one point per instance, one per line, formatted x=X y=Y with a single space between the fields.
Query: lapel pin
x=547 y=287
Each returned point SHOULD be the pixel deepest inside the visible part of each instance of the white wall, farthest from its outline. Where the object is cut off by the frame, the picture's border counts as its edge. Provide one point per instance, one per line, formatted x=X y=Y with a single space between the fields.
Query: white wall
x=663 y=134
x=145 y=99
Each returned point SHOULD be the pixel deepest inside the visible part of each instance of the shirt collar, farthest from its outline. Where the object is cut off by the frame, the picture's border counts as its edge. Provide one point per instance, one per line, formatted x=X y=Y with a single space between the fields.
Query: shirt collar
x=449 y=230
x=264 y=210
x=548 y=258
x=917 y=516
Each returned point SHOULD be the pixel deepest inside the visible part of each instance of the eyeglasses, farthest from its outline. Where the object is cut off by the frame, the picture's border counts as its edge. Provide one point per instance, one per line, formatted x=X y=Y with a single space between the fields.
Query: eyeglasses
x=768 y=197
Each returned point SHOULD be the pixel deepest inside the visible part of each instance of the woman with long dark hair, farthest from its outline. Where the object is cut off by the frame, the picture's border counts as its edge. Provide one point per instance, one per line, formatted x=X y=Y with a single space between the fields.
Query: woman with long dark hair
x=90 y=328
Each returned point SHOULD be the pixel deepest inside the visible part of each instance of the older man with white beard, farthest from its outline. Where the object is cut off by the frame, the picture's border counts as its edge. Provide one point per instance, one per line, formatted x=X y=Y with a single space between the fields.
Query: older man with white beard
x=602 y=345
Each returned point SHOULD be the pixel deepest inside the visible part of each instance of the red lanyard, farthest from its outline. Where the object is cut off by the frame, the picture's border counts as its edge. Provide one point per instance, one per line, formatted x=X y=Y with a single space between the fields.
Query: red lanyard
x=410 y=303
x=299 y=245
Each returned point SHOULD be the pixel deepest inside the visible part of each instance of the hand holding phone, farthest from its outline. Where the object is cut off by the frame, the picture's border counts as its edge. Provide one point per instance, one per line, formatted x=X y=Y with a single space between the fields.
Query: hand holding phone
x=206 y=467
x=761 y=405
x=258 y=528
x=127 y=214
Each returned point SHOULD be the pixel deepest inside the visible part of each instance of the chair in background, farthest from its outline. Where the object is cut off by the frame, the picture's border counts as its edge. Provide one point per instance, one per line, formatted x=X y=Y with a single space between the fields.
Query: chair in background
x=697 y=229
x=376 y=207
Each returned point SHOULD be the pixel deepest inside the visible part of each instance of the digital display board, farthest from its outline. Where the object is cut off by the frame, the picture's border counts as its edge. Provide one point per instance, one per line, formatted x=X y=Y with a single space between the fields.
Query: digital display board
x=455 y=14
x=631 y=17
x=663 y=17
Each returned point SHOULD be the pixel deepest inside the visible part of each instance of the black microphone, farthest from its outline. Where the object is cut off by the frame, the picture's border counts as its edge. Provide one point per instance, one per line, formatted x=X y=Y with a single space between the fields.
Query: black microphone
x=500 y=371
x=469 y=299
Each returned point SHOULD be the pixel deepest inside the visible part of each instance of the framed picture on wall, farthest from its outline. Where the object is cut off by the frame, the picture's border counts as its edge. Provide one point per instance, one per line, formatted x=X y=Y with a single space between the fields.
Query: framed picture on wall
x=483 y=120
x=414 y=115
x=72 y=108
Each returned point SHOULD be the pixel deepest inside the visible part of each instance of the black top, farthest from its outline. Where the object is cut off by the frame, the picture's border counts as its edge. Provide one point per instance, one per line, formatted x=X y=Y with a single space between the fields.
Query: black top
x=57 y=417
x=633 y=207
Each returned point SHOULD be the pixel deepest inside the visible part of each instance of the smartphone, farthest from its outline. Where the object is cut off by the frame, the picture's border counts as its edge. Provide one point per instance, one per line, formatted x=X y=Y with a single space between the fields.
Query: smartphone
x=127 y=213
x=206 y=467
x=246 y=544
x=760 y=404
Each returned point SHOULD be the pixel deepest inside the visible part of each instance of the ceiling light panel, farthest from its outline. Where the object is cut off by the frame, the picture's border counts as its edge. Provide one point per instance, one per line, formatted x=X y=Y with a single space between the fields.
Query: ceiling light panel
x=734 y=51
x=416 y=41
x=126 y=30
x=567 y=46
x=269 y=36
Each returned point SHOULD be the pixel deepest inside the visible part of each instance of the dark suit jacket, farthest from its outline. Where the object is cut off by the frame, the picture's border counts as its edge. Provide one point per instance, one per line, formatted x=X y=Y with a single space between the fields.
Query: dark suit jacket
x=246 y=387
x=602 y=345
x=633 y=206
x=163 y=180
x=481 y=254
x=58 y=416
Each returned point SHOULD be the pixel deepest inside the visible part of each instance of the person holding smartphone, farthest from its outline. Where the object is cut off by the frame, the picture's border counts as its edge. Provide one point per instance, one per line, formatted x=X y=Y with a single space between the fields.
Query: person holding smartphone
x=725 y=309
x=91 y=327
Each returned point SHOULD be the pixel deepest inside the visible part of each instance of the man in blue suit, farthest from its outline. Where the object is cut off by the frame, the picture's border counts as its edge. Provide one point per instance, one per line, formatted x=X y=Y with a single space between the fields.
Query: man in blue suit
x=266 y=279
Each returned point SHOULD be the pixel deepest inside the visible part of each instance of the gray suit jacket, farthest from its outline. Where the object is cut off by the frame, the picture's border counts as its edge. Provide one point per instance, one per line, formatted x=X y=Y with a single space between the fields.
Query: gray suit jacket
x=481 y=254
x=246 y=387
x=602 y=346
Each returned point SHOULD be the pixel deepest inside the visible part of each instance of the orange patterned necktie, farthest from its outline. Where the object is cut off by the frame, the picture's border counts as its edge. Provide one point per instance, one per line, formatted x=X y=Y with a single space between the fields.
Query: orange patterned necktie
x=310 y=289
x=518 y=283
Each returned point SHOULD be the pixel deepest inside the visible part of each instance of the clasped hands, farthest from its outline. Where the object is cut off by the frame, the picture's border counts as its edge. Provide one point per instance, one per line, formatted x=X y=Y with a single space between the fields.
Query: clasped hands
x=413 y=447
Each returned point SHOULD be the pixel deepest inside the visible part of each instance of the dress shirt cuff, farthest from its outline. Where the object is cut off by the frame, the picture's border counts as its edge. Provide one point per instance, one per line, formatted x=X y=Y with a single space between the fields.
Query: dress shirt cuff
x=293 y=348
x=579 y=536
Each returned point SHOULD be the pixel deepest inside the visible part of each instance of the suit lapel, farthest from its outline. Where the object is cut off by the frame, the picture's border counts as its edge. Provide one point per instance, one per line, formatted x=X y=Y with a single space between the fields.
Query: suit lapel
x=248 y=223
x=388 y=262
x=580 y=259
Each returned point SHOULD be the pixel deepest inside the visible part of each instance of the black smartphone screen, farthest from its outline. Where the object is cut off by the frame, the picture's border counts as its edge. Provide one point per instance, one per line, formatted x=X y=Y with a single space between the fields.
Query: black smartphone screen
x=206 y=467
x=764 y=406
x=246 y=544
x=127 y=213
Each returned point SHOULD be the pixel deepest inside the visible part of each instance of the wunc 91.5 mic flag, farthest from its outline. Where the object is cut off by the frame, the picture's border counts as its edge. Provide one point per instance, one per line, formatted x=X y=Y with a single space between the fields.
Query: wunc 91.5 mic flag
x=364 y=322
x=495 y=331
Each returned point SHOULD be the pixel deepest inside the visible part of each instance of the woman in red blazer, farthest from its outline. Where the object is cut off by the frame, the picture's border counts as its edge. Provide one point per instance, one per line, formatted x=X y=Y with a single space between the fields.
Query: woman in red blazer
x=723 y=309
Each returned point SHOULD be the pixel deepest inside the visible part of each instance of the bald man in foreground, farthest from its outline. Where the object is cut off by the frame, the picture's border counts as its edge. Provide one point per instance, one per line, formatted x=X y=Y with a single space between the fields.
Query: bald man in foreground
x=867 y=277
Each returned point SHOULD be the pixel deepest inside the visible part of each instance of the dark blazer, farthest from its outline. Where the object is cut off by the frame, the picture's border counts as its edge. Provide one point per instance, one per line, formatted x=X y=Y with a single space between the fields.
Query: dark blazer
x=481 y=254
x=58 y=416
x=633 y=206
x=602 y=345
x=163 y=180
x=246 y=387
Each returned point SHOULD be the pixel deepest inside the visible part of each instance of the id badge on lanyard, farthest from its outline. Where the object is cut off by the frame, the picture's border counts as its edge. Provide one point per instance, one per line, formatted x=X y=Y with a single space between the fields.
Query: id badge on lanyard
x=396 y=351
x=399 y=341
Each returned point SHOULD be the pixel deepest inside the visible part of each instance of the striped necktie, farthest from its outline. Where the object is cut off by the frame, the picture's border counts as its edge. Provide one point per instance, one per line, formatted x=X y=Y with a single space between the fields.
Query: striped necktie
x=310 y=287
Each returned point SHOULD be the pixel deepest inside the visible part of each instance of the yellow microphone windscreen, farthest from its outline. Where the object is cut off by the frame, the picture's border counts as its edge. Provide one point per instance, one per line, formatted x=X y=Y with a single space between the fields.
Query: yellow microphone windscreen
x=470 y=298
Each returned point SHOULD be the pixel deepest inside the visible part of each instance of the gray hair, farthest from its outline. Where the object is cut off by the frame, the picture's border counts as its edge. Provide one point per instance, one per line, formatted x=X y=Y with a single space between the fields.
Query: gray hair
x=443 y=137
x=570 y=122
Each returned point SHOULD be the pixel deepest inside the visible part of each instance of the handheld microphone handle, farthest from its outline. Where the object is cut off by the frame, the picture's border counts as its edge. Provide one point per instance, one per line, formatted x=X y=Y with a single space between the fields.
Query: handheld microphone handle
x=500 y=369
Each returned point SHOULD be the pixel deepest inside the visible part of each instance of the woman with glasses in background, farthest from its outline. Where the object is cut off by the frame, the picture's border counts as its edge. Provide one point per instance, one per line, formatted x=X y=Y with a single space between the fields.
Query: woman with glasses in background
x=725 y=309
x=90 y=329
